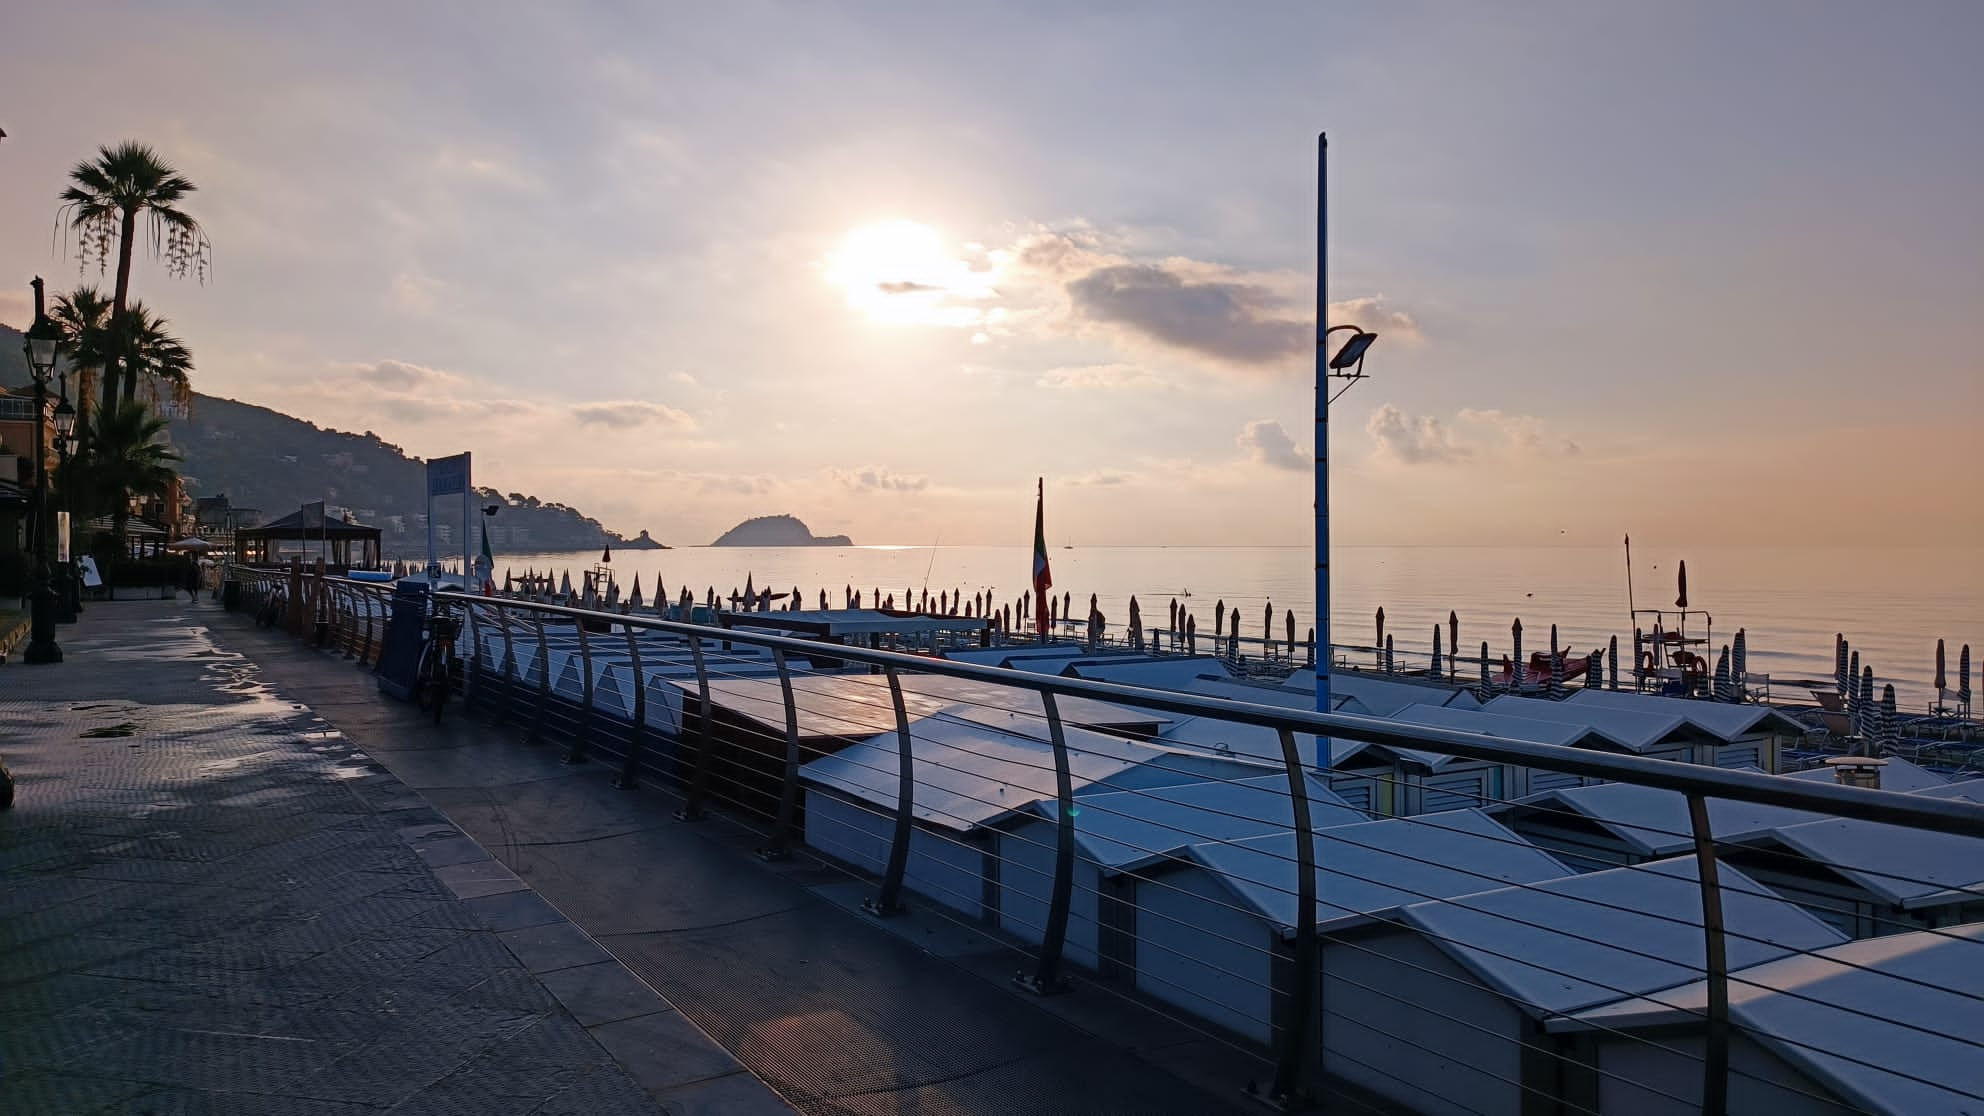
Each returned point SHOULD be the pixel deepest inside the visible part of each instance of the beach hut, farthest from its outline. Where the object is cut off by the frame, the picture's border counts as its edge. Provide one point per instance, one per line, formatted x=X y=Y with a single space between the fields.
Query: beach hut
x=972 y=778
x=1612 y=824
x=1866 y=878
x=1886 y=1025
x=1442 y=1010
x=1734 y=735
x=1122 y=836
x=1211 y=928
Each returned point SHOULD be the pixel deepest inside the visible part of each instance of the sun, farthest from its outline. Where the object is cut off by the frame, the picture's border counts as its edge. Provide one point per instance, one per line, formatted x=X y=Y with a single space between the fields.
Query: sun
x=904 y=273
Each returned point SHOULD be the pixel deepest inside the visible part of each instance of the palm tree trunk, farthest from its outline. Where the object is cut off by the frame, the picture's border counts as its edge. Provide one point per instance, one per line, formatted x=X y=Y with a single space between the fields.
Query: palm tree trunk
x=120 y=522
x=127 y=233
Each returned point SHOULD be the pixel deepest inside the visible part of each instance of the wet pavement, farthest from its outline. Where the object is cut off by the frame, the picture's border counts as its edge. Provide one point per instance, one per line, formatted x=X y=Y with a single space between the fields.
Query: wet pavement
x=212 y=901
x=605 y=898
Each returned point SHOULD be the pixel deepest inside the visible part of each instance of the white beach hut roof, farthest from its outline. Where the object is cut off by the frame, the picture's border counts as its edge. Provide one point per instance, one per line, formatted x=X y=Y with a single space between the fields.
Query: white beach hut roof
x=1168 y=673
x=969 y=774
x=1972 y=789
x=1897 y=774
x=1889 y=1023
x=1726 y=722
x=1572 y=943
x=1910 y=868
x=1565 y=734
x=1655 y=821
x=1384 y=695
x=1635 y=729
x=1126 y=830
x=860 y=705
x=1371 y=868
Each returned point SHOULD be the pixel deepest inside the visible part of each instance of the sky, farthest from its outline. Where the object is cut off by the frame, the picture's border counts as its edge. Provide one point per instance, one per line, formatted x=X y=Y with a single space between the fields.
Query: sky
x=1709 y=273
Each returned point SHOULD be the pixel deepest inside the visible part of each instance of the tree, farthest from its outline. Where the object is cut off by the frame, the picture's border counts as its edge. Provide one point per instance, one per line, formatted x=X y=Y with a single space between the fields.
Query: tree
x=157 y=357
x=84 y=315
x=126 y=458
x=103 y=202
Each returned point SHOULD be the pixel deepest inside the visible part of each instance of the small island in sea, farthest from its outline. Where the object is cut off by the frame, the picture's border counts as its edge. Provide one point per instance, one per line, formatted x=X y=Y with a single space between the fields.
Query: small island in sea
x=777 y=530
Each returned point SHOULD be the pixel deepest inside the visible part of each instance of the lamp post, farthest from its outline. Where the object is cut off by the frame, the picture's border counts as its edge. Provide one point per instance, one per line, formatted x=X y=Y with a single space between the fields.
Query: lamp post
x=68 y=598
x=1347 y=366
x=42 y=338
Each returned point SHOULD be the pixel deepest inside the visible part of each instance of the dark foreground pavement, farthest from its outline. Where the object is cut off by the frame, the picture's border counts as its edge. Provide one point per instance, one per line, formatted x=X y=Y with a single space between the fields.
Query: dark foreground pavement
x=213 y=902
x=836 y=1011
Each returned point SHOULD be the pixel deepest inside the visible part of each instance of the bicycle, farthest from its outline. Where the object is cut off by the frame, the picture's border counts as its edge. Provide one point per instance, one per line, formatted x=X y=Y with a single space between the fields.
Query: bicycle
x=435 y=676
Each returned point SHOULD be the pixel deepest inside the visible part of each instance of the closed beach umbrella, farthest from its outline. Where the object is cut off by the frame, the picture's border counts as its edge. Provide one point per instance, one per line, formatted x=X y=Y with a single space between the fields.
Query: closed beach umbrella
x=1291 y=634
x=1594 y=670
x=1889 y=735
x=1381 y=628
x=1516 y=671
x=1436 y=650
x=612 y=594
x=1067 y=605
x=1853 y=691
x=565 y=584
x=1453 y=642
x=1191 y=634
x=1556 y=666
x=1391 y=665
x=1839 y=660
x=1739 y=659
x=1942 y=680
x=1218 y=620
x=1866 y=696
x=1173 y=625
x=634 y=598
x=1963 y=679
x=1486 y=688
x=1681 y=599
x=1233 y=641
x=1722 y=674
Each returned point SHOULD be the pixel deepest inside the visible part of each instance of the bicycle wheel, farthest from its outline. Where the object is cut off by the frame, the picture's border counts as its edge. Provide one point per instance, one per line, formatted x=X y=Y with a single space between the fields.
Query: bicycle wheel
x=442 y=682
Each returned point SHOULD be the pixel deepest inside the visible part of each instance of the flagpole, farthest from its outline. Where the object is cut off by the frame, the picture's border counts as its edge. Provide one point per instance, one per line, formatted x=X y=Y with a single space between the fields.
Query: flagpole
x=1632 y=613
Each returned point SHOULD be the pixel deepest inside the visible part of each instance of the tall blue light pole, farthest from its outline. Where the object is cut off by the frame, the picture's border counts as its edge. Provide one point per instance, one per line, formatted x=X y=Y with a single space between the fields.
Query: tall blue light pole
x=1346 y=365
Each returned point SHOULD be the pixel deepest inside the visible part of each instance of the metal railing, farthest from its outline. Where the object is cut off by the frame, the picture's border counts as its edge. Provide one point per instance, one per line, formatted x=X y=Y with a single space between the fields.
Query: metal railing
x=511 y=646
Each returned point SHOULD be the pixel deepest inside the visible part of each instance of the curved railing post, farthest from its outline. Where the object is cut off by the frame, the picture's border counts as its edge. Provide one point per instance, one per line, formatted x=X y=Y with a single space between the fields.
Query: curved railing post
x=889 y=900
x=581 y=739
x=365 y=651
x=1301 y=1009
x=699 y=776
x=630 y=765
x=788 y=790
x=543 y=680
x=1715 y=1062
x=1047 y=976
x=509 y=667
x=472 y=664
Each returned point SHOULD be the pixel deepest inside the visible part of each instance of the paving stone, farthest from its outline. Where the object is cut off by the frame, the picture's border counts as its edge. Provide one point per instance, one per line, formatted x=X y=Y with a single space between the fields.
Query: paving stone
x=733 y=1094
x=513 y=911
x=603 y=992
x=663 y=1050
x=555 y=945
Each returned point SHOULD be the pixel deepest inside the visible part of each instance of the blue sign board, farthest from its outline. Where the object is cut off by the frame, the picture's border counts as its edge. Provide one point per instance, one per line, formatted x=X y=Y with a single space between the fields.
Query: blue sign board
x=447 y=475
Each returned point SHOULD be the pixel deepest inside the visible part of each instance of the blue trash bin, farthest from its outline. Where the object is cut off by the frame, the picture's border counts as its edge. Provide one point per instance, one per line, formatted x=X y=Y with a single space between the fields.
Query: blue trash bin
x=399 y=651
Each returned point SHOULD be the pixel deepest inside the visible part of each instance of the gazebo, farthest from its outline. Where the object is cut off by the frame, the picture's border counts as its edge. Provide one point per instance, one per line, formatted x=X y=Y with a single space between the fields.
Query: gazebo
x=257 y=546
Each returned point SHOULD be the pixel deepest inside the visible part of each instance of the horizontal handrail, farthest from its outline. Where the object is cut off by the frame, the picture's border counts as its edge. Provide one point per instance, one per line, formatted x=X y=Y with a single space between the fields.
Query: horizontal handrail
x=1942 y=815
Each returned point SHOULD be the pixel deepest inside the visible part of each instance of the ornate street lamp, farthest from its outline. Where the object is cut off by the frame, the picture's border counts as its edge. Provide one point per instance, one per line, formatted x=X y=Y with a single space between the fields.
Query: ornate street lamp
x=42 y=339
x=68 y=597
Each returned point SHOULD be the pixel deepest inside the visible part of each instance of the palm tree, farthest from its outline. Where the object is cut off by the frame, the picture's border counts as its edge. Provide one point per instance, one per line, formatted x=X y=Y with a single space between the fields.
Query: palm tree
x=157 y=357
x=127 y=458
x=84 y=315
x=103 y=201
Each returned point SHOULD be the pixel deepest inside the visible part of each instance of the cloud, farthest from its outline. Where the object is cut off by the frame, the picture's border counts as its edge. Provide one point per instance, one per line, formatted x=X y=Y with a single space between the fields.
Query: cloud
x=398 y=375
x=1266 y=443
x=625 y=414
x=1375 y=313
x=686 y=379
x=874 y=478
x=1233 y=322
x=1102 y=377
x=905 y=286
x=1427 y=440
x=1250 y=321
x=1101 y=478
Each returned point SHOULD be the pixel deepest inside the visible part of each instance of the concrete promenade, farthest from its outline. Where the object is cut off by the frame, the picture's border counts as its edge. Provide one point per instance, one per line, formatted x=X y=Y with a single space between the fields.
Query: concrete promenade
x=211 y=901
x=414 y=831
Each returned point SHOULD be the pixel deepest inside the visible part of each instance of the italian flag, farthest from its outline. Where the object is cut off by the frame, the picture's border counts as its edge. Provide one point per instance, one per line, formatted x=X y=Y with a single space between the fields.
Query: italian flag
x=488 y=563
x=1043 y=578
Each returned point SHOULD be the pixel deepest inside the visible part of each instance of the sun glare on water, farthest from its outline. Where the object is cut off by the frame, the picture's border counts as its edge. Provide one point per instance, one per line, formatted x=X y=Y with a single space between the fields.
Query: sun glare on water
x=903 y=273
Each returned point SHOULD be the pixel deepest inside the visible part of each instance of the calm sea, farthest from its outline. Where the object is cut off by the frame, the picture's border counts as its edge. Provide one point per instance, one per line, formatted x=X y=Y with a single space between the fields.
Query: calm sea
x=1893 y=604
